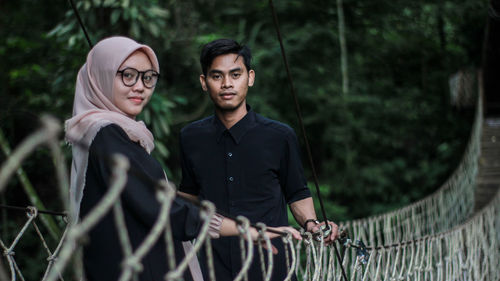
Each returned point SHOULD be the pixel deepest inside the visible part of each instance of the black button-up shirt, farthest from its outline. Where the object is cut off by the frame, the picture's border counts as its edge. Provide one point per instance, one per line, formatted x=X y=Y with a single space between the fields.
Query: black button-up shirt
x=252 y=169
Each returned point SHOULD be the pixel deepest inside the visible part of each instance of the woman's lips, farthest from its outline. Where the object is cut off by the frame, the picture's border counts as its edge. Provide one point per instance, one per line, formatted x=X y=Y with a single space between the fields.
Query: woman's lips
x=136 y=100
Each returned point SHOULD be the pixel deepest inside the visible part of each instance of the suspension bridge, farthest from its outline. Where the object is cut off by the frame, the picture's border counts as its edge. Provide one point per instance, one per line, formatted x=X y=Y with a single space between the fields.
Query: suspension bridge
x=452 y=234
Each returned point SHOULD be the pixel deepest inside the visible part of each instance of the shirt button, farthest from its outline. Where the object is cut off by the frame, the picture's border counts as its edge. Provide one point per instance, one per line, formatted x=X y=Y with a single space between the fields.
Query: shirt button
x=229 y=154
x=231 y=179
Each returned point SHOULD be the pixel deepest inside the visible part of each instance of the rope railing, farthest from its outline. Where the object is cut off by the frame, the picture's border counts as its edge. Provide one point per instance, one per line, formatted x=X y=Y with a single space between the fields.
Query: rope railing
x=450 y=205
x=207 y=213
x=263 y=238
x=469 y=251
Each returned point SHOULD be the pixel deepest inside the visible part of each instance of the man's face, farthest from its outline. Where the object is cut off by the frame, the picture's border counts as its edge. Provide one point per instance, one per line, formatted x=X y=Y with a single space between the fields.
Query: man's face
x=227 y=82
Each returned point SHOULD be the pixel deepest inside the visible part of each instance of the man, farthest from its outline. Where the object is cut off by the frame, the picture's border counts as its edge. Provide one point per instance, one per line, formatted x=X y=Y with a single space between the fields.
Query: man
x=246 y=164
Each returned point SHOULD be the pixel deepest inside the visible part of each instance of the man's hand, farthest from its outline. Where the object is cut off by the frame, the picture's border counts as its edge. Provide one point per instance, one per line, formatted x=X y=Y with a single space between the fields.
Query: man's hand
x=333 y=234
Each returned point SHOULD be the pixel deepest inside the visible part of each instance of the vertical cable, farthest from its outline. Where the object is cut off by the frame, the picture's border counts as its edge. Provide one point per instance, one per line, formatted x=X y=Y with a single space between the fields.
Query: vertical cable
x=81 y=23
x=301 y=124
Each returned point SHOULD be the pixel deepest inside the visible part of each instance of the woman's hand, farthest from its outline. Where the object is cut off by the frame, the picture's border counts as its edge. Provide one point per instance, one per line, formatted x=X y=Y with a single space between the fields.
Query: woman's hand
x=274 y=232
x=228 y=228
x=295 y=233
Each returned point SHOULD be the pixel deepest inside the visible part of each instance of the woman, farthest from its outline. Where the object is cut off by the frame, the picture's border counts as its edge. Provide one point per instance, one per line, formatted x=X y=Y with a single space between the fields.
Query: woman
x=112 y=88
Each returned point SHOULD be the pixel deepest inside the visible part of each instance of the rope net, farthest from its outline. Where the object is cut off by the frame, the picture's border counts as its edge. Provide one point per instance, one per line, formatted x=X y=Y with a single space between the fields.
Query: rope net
x=469 y=251
x=432 y=239
x=450 y=205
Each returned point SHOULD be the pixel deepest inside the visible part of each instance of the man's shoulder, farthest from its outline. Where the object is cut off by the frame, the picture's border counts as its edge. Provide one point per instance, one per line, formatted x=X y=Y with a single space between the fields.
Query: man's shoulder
x=274 y=125
x=198 y=127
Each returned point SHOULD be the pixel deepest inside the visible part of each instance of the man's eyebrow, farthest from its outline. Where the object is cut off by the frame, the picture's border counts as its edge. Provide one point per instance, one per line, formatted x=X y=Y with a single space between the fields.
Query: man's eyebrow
x=235 y=69
x=217 y=71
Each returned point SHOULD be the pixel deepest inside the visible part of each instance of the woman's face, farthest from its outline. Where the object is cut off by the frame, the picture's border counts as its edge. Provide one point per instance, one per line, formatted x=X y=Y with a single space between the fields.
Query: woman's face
x=131 y=100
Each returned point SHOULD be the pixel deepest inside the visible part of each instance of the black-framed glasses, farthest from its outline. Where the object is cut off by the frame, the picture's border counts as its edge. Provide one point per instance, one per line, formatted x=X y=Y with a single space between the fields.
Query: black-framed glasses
x=130 y=76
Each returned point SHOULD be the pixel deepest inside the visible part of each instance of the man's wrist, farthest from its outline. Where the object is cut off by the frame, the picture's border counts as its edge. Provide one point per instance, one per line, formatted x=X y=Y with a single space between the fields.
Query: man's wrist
x=315 y=221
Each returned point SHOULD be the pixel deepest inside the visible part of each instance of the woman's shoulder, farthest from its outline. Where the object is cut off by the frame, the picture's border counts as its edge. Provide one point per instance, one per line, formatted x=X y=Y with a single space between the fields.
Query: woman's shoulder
x=110 y=131
x=111 y=137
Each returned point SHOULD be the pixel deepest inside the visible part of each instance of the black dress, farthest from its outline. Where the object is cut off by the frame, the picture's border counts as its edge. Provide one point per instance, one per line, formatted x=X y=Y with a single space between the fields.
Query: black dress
x=102 y=255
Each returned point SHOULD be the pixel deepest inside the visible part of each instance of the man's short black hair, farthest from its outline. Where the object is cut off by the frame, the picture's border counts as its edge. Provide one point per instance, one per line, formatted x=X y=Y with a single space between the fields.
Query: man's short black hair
x=221 y=47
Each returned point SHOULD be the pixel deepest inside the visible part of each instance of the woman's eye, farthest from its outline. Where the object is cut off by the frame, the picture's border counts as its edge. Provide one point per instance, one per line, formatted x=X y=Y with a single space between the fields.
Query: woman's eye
x=128 y=75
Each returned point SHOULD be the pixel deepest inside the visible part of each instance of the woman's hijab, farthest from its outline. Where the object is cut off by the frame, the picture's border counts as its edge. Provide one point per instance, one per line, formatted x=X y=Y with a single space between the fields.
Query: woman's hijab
x=93 y=108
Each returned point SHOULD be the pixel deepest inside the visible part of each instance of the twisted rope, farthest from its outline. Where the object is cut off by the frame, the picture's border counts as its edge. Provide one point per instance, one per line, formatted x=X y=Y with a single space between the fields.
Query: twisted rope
x=78 y=230
x=207 y=213
x=243 y=225
x=288 y=243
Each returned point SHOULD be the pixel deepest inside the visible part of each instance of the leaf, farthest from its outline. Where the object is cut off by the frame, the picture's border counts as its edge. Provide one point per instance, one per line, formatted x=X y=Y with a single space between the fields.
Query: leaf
x=109 y=3
x=154 y=29
x=164 y=125
x=134 y=12
x=135 y=30
x=147 y=116
x=156 y=11
x=115 y=15
x=161 y=149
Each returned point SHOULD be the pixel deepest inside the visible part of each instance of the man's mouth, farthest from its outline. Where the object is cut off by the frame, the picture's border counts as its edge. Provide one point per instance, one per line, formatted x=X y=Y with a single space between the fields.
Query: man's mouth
x=227 y=96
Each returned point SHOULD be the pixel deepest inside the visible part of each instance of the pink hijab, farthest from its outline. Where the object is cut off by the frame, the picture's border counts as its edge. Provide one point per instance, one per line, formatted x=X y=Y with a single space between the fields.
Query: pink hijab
x=93 y=108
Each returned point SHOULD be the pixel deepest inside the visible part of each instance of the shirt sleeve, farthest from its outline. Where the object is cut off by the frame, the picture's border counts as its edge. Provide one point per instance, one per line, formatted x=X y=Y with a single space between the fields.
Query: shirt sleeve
x=139 y=196
x=215 y=225
x=188 y=182
x=292 y=176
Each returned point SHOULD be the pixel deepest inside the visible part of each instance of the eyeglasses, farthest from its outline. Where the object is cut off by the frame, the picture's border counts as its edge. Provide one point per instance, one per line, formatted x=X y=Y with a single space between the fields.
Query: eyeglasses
x=130 y=76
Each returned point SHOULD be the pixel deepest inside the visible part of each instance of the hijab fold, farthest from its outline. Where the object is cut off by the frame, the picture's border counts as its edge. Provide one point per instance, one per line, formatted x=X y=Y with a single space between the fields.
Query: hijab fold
x=93 y=108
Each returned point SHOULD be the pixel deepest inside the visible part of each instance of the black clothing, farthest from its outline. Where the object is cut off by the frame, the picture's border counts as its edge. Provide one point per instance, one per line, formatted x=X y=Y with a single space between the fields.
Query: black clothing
x=103 y=253
x=253 y=169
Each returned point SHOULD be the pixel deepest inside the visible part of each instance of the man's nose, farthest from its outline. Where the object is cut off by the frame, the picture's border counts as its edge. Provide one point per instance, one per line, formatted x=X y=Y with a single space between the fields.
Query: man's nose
x=226 y=82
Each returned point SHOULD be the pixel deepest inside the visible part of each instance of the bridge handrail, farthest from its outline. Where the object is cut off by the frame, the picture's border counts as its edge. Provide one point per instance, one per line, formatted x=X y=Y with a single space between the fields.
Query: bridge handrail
x=450 y=205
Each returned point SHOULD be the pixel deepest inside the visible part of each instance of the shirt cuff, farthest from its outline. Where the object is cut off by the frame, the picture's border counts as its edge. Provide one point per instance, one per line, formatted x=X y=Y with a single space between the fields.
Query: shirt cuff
x=214 y=227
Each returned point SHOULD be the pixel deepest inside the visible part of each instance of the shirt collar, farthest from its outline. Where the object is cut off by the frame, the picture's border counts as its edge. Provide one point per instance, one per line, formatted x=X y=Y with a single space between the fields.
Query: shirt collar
x=238 y=130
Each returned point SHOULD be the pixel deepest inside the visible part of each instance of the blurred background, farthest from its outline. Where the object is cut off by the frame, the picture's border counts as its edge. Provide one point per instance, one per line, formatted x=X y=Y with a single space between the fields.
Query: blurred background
x=376 y=80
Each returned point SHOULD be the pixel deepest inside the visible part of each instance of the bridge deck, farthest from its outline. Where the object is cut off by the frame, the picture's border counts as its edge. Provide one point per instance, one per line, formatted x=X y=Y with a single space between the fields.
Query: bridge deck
x=488 y=180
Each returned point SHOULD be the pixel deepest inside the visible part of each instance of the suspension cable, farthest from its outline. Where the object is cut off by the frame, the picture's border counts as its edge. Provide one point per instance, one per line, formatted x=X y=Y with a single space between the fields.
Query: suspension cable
x=298 y=111
x=81 y=24
x=301 y=124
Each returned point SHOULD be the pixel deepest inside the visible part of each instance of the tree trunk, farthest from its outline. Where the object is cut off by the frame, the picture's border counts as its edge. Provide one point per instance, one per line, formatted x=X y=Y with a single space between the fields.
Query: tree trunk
x=343 y=49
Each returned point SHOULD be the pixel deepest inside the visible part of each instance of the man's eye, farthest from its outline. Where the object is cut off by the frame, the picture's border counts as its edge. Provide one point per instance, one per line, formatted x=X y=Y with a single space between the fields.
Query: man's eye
x=236 y=75
x=216 y=76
